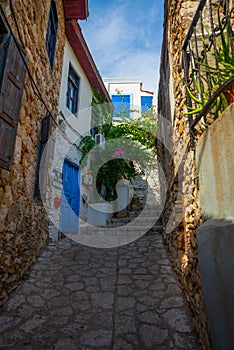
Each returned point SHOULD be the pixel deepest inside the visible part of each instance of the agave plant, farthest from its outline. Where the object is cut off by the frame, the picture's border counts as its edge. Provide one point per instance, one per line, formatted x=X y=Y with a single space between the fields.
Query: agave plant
x=214 y=69
x=223 y=55
x=201 y=92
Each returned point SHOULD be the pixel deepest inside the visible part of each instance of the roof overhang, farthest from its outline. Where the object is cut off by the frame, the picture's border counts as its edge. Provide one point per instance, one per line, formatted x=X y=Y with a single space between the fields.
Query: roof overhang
x=75 y=9
x=146 y=91
x=81 y=50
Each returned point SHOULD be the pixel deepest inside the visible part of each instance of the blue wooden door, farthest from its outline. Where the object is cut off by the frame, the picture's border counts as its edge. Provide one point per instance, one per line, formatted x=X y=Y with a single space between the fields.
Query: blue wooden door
x=70 y=198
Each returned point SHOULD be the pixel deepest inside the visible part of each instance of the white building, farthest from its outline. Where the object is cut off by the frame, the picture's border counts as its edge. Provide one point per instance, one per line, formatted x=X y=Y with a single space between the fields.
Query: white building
x=69 y=193
x=128 y=97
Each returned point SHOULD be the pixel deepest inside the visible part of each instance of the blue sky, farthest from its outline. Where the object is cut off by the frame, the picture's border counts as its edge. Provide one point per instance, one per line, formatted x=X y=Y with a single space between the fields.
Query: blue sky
x=125 y=38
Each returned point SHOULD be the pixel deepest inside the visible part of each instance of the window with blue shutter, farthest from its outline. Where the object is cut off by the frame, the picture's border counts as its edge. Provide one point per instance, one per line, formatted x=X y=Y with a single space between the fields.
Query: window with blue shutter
x=121 y=105
x=146 y=103
x=52 y=30
x=73 y=82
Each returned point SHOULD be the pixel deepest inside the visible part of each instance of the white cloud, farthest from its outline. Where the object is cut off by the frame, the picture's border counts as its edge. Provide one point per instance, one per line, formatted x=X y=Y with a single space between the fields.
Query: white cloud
x=142 y=65
x=125 y=44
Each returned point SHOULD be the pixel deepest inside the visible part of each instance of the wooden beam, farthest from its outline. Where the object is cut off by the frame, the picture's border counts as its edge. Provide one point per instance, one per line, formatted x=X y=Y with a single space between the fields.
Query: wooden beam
x=76 y=9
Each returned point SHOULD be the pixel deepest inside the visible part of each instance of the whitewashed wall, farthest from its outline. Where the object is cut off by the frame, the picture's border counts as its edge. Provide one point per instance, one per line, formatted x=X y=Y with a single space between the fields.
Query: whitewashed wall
x=85 y=91
x=80 y=122
x=132 y=88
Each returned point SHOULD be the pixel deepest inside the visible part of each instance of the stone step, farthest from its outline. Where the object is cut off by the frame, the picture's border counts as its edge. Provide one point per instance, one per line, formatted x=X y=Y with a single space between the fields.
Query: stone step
x=117 y=220
x=133 y=231
x=136 y=207
x=119 y=224
x=146 y=210
x=145 y=217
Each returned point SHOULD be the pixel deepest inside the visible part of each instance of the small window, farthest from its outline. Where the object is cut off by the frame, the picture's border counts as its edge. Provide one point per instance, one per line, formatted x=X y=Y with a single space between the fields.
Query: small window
x=72 y=90
x=52 y=30
x=121 y=105
x=146 y=103
x=42 y=166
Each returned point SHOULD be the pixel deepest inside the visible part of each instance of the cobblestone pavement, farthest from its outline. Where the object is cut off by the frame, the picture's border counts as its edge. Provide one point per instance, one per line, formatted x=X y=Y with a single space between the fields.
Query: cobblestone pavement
x=78 y=297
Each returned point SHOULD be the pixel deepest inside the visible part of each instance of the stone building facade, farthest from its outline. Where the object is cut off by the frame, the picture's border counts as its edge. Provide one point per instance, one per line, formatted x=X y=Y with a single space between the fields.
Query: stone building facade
x=182 y=214
x=35 y=32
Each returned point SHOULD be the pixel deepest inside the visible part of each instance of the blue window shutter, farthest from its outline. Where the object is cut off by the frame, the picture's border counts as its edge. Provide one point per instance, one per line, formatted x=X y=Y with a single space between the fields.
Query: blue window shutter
x=146 y=103
x=121 y=104
x=127 y=105
x=52 y=29
x=117 y=102
x=72 y=90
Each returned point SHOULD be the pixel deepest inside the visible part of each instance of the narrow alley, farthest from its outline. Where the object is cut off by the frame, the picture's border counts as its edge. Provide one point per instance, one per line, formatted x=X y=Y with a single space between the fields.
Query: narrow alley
x=117 y=131
x=77 y=297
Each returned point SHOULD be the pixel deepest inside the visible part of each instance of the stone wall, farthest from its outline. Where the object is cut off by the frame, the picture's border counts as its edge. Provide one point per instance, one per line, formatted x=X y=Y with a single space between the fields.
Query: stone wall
x=182 y=214
x=23 y=221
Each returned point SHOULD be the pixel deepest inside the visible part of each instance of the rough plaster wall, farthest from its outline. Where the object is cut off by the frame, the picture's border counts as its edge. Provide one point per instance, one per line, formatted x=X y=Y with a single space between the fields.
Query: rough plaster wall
x=215 y=162
x=215 y=252
x=23 y=221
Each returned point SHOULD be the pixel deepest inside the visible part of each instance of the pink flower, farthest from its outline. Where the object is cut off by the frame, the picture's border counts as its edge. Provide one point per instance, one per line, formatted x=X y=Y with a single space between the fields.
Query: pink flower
x=119 y=153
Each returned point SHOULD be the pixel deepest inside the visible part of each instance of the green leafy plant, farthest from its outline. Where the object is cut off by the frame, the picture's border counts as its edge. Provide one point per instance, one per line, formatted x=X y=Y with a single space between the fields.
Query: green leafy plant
x=127 y=162
x=102 y=112
x=111 y=172
x=86 y=144
x=211 y=72
x=200 y=96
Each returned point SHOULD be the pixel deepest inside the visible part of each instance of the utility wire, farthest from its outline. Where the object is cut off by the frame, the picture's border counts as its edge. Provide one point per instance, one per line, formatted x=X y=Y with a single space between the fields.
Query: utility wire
x=16 y=23
x=34 y=85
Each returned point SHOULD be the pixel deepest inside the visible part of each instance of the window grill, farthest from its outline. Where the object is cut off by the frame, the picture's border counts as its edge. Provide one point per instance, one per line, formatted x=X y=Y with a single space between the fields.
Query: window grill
x=208 y=63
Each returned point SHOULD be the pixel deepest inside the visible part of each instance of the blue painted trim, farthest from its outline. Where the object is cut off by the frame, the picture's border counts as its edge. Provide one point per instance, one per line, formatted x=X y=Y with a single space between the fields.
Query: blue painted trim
x=71 y=163
x=130 y=103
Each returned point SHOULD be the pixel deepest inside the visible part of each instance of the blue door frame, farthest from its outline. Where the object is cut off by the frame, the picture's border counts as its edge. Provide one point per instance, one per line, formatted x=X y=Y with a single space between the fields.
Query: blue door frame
x=70 y=205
